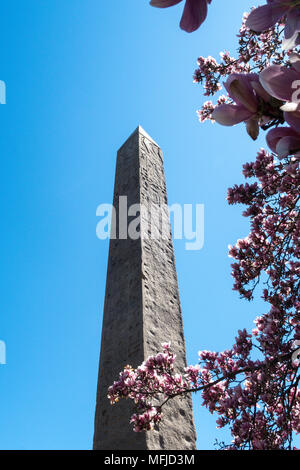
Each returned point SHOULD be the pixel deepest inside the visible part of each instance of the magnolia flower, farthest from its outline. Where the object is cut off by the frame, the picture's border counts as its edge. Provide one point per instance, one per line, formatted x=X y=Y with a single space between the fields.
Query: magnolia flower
x=284 y=84
x=266 y=16
x=284 y=141
x=194 y=13
x=246 y=91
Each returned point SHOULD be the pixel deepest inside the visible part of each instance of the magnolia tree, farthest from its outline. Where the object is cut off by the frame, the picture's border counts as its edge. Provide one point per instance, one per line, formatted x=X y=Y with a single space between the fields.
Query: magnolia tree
x=253 y=387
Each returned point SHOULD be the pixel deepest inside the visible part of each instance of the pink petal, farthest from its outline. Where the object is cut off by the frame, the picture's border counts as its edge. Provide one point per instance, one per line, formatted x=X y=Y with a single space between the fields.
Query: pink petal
x=260 y=91
x=278 y=81
x=287 y=146
x=241 y=91
x=294 y=59
x=290 y=43
x=292 y=23
x=293 y=119
x=263 y=18
x=275 y=135
x=164 y=3
x=194 y=13
x=252 y=128
x=229 y=114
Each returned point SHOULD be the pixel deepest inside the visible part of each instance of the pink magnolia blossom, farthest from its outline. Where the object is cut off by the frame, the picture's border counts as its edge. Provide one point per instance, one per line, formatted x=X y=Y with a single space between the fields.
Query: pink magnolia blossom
x=266 y=16
x=255 y=52
x=248 y=94
x=284 y=141
x=194 y=13
x=284 y=84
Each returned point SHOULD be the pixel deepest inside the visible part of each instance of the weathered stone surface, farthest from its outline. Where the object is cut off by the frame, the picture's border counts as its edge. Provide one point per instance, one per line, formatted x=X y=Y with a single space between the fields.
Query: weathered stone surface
x=142 y=306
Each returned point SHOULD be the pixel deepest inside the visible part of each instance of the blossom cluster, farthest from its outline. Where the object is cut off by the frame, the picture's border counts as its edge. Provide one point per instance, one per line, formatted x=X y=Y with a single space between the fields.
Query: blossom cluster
x=245 y=393
x=272 y=246
x=153 y=379
x=255 y=52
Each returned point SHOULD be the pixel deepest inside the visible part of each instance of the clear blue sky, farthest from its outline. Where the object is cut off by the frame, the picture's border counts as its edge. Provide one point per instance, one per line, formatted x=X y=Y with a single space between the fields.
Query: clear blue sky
x=80 y=76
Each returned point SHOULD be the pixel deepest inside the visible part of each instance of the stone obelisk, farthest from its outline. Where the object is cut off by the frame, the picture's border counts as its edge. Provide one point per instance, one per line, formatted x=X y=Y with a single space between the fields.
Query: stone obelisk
x=142 y=305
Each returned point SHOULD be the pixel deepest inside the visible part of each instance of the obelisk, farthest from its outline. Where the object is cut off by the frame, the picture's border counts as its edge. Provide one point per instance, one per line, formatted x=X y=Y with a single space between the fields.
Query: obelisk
x=142 y=305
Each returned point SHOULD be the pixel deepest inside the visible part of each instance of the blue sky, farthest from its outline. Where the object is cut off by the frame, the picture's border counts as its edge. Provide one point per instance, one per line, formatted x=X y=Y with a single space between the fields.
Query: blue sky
x=80 y=76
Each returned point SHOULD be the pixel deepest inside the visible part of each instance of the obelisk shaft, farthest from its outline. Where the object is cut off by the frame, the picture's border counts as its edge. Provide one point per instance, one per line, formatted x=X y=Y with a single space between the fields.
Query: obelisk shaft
x=142 y=305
